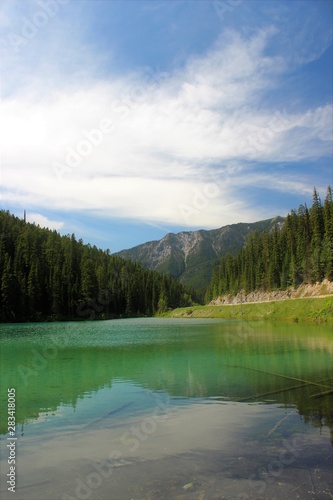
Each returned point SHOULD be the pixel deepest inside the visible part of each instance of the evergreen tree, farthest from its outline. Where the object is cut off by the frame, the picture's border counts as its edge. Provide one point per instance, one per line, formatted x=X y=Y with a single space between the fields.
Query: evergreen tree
x=301 y=251
x=47 y=276
x=317 y=224
x=9 y=288
x=327 y=252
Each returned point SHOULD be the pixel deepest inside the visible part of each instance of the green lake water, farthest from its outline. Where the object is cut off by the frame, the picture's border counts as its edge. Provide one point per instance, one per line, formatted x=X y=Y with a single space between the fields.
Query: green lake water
x=168 y=408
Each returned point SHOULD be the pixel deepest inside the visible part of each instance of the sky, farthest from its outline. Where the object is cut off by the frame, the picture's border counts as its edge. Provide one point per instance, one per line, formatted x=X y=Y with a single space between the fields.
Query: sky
x=123 y=120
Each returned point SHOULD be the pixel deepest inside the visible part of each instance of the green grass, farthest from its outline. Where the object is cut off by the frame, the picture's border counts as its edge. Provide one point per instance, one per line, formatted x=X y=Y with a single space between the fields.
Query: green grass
x=311 y=310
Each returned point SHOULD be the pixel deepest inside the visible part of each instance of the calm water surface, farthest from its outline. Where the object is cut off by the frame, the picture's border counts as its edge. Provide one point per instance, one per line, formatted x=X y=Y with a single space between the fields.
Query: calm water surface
x=168 y=408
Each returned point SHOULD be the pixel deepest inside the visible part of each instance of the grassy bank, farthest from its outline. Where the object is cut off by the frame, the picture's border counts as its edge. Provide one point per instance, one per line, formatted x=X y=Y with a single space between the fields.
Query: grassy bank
x=311 y=310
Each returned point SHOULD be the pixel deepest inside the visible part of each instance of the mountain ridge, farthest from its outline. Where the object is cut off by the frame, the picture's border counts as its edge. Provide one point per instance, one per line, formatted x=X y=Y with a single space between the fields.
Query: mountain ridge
x=190 y=255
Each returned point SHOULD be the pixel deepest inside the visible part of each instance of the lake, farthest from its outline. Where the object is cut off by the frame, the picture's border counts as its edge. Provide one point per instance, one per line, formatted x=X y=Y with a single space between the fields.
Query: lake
x=168 y=409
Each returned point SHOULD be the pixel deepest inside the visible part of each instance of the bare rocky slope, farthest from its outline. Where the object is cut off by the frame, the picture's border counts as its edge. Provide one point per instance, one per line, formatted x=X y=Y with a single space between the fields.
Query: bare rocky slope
x=190 y=255
x=303 y=291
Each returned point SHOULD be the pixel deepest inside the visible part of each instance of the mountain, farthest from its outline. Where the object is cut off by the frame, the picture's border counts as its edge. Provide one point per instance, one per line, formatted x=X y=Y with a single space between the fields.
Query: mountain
x=190 y=255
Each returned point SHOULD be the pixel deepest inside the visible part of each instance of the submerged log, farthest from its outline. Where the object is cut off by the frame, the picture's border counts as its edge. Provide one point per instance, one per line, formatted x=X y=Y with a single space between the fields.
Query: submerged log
x=283 y=376
x=322 y=394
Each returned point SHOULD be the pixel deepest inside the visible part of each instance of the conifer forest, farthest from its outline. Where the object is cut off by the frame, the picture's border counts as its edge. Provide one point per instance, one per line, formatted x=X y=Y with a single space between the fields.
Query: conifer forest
x=301 y=251
x=46 y=276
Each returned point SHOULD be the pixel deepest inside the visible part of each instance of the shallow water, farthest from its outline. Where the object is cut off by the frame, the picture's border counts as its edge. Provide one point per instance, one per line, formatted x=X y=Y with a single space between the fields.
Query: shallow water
x=168 y=408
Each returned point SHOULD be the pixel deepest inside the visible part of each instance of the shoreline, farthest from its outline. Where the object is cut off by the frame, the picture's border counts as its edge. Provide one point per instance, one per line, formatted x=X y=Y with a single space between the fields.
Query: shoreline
x=317 y=309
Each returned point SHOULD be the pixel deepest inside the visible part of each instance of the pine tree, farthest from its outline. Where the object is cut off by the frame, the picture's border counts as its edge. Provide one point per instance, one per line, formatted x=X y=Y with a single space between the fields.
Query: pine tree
x=300 y=251
x=327 y=254
x=9 y=292
x=317 y=224
x=89 y=282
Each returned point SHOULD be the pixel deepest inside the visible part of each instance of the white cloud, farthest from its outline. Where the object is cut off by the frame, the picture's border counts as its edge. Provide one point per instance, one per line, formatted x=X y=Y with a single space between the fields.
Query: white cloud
x=171 y=134
x=42 y=221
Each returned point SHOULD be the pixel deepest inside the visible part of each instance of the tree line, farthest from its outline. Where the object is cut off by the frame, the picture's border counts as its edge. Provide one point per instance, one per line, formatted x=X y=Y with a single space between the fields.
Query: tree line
x=46 y=276
x=300 y=251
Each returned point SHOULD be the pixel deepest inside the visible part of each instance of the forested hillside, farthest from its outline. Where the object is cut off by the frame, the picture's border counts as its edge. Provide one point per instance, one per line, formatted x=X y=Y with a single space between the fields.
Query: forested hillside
x=301 y=251
x=45 y=276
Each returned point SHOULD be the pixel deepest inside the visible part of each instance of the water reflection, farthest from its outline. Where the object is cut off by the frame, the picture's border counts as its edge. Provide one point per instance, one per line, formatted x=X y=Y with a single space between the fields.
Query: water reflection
x=189 y=360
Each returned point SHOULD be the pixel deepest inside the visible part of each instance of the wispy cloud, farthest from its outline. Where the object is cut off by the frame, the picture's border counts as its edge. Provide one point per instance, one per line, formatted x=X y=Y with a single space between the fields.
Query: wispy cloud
x=144 y=144
x=42 y=221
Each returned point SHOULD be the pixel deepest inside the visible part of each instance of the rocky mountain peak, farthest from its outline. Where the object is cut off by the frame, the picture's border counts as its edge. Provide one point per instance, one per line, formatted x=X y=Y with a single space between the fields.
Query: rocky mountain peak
x=190 y=255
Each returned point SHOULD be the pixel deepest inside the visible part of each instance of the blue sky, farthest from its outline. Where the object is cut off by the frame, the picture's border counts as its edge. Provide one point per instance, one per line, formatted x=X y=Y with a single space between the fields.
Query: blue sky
x=124 y=120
